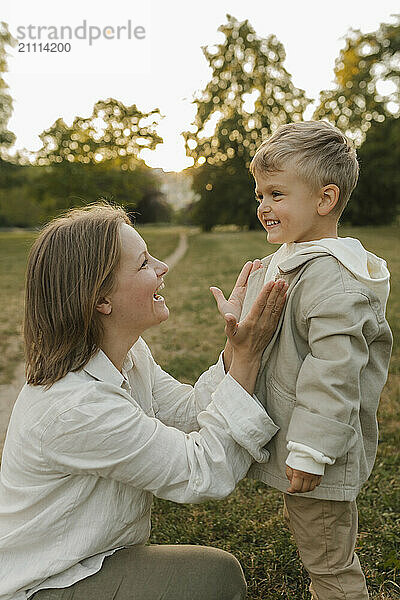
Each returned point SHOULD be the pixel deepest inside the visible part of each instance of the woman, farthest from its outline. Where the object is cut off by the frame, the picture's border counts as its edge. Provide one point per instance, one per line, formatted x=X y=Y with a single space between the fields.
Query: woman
x=99 y=427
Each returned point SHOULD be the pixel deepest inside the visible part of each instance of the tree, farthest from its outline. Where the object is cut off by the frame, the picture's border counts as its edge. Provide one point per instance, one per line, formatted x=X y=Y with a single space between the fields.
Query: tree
x=225 y=195
x=153 y=208
x=249 y=95
x=31 y=195
x=114 y=133
x=376 y=199
x=98 y=157
x=6 y=137
x=367 y=82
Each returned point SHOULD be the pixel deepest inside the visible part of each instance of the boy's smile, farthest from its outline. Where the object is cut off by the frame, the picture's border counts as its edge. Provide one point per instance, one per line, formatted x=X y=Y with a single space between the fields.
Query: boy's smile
x=288 y=208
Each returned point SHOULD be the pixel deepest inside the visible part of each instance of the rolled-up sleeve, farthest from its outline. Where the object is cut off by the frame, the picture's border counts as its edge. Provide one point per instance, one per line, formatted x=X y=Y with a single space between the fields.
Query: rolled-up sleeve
x=178 y=404
x=108 y=435
x=328 y=386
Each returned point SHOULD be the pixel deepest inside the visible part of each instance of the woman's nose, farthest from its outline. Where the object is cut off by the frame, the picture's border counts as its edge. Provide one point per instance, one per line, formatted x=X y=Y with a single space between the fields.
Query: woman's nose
x=161 y=268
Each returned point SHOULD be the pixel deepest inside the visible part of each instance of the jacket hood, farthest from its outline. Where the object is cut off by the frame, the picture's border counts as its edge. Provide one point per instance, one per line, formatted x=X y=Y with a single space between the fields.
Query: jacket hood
x=365 y=266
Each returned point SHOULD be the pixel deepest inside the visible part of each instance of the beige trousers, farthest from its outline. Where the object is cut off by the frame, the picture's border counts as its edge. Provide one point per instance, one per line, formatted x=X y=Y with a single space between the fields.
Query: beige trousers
x=325 y=532
x=159 y=573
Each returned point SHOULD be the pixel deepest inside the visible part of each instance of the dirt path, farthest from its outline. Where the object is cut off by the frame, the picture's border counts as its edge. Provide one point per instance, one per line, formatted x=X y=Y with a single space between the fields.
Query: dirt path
x=179 y=251
x=9 y=392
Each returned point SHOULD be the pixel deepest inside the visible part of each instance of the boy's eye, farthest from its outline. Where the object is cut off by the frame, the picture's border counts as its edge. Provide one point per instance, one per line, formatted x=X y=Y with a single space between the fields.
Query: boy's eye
x=274 y=194
x=145 y=262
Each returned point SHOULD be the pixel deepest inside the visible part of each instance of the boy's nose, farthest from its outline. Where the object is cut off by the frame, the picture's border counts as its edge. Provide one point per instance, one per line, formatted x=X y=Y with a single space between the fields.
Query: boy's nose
x=264 y=208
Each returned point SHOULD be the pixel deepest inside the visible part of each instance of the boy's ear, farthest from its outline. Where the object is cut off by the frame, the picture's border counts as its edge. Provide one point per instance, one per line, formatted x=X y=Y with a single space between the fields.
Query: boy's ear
x=328 y=199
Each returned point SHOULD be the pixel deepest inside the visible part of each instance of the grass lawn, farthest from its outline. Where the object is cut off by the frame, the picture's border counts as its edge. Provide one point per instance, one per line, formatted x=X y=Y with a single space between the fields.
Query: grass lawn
x=249 y=522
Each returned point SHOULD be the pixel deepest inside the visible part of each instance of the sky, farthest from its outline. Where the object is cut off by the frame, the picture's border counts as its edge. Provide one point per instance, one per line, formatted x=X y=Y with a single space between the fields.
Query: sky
x=157 y=62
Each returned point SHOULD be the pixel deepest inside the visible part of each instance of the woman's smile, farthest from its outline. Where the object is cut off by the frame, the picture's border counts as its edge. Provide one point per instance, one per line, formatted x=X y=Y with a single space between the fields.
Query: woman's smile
x=157 y=296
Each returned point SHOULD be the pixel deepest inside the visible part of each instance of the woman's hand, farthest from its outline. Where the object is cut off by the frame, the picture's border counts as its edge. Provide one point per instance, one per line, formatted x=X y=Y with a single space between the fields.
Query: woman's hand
x=235 y=301
x=251 y=336
x=234 y=304
x=248 y=338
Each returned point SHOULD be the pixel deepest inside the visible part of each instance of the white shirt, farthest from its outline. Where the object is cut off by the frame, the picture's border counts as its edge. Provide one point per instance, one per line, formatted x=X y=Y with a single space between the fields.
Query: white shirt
x=82 y=460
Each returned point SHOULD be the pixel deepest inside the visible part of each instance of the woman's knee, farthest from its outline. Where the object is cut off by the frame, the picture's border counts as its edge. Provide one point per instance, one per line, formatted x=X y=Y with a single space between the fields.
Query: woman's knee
x=171 y=572
x=237 y=587
x=229 y=576
x=195 y=572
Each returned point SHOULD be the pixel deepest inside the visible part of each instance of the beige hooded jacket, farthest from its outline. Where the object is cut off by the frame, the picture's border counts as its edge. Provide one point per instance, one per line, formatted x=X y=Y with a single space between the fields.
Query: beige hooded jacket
x=323 y=371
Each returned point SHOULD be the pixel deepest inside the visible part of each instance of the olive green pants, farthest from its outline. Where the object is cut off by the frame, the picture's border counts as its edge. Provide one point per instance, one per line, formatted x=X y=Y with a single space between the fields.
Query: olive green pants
x=325 y=532
x=159 y=572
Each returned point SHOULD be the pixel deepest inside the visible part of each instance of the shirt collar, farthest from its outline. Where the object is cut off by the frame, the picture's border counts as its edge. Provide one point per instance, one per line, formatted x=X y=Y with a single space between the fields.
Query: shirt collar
x=100 y=367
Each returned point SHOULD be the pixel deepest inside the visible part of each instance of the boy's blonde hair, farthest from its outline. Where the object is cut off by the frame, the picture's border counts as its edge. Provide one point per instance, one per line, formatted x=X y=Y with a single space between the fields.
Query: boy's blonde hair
x=71 y=265
x=319 y=152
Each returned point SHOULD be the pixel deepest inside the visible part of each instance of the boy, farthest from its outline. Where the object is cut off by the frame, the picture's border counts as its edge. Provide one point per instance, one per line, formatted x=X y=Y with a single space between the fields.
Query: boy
x=323 y=372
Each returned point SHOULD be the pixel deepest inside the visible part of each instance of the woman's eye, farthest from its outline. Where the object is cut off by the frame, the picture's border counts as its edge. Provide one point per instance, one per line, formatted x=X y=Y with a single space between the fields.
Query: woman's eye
x=145 y=262
x=275 y=193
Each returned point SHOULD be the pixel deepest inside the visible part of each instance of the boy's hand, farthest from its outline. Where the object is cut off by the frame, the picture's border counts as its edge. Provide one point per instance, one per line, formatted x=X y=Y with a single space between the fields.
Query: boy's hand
x=300 y=481
x=235 y=301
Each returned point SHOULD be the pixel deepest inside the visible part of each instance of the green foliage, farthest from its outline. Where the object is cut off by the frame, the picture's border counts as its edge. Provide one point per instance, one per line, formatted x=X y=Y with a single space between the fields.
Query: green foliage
x=366 y=111
x=153 y=208
x=246 y=69
x=243 y=64
x=366 y=62
x=114 y=133
x=97 y=157
x=226 y=196
x=32 y=195
x=249 y=95
x=18 y=208
x=6 y=137
x=18 y=198
x=376 y=198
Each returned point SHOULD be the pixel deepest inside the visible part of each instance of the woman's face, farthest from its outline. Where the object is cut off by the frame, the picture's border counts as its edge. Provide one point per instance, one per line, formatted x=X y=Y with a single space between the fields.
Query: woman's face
x=136 y=304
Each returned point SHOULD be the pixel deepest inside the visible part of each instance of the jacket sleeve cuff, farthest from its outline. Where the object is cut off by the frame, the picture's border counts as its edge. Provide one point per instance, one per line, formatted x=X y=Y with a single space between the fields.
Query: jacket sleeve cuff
x=247 y=421
x=306 y=427
x=304 y=458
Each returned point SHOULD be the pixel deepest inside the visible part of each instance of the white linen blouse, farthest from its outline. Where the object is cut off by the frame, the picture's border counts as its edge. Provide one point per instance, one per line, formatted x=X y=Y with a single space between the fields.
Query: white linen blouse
x=82 y=460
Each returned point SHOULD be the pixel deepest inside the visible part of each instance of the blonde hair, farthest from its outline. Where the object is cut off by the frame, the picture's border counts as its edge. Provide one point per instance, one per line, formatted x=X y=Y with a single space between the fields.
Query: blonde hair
x=320 y=153
x=71 y=265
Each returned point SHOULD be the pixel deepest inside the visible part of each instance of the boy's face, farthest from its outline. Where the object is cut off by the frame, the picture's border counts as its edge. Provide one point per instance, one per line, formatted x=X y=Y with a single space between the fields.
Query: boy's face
x=288 y=207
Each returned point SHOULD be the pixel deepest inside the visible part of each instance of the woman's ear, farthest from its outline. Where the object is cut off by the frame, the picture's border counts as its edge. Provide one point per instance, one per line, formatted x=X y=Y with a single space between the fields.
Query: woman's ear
x=328 y=200
x=104 y=306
